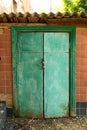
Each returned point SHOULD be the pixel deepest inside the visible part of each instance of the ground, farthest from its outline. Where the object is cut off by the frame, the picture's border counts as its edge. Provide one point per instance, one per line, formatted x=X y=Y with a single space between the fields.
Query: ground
x=77 y=123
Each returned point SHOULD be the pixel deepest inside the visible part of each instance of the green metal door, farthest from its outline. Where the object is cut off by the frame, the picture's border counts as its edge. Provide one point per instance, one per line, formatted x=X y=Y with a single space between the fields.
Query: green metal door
x=56 y=74
x=43 y=86
x=44 y=71
x=30 y=74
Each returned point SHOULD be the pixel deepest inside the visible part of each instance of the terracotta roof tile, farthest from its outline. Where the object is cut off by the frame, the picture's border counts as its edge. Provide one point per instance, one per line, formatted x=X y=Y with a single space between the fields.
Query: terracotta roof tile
x=43 y=18
x=83 y=15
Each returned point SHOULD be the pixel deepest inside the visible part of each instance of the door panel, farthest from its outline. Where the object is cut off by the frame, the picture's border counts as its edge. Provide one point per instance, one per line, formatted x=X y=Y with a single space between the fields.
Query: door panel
x=56 y=74
x=30 y=75
x=31 y=41
x=31 y=78
x=55 y=42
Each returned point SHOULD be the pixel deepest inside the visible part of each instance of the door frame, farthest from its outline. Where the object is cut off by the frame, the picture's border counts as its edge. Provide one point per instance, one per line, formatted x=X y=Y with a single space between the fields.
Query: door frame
x=72 y=60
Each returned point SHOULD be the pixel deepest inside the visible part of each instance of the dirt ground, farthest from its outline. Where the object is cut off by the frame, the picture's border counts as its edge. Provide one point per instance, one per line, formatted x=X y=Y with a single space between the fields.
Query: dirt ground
x=77 y=123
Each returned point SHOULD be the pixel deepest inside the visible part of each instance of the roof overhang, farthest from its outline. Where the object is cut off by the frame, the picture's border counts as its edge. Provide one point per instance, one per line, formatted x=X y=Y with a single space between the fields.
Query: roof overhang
x=51 y=18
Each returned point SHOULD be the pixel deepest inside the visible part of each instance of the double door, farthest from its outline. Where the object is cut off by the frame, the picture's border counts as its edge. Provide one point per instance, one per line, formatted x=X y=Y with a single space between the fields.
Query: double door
x=43 y=74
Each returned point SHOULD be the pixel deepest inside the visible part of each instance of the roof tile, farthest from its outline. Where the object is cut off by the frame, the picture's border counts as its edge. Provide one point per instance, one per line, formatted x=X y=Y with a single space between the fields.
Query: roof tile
x=43 y=17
